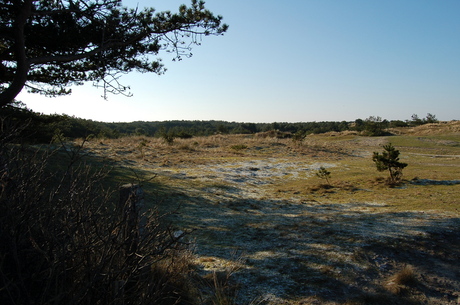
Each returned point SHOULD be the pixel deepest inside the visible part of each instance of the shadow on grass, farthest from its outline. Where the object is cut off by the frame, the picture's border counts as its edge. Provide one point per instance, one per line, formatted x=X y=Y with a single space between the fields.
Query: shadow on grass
x=331 y=252
x=434 y=182
x=301 y=251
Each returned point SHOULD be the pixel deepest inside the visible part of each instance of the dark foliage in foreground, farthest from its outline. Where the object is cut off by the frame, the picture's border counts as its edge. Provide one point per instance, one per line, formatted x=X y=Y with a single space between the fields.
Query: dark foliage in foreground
x=63 y=240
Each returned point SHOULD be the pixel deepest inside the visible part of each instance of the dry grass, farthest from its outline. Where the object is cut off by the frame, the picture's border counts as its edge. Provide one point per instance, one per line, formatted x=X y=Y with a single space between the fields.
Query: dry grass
x=399 y=282
x=222 y=289
x=307 y=243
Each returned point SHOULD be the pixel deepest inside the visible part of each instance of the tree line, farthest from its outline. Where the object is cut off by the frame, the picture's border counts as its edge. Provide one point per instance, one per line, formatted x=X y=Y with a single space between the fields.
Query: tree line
x=41 y=128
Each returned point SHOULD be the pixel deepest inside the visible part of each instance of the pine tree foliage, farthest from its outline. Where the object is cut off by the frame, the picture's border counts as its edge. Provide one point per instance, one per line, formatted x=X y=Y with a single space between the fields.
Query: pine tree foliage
x=48 y=46
x=389 y=160
x=323 y=173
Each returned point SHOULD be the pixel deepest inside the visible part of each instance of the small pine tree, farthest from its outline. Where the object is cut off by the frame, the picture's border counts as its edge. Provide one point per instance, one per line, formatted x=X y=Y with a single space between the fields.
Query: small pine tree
x=323 y=173
x=389 y=160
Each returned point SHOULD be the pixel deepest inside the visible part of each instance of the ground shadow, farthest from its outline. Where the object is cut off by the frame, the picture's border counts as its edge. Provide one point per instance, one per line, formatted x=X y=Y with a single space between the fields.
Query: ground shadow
x=333 y=252
x=434 y=182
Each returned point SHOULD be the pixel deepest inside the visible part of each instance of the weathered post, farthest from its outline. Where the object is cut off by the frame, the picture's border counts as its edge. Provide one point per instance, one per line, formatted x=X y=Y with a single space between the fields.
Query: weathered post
x=131 y=209
x=131 y=206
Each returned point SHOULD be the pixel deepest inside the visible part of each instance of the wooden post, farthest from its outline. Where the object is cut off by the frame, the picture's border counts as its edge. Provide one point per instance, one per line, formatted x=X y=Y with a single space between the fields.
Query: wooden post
x=131 y=206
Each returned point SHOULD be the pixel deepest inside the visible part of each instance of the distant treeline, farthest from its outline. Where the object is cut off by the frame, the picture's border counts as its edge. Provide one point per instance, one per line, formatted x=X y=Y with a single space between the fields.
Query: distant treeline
x=40 y=128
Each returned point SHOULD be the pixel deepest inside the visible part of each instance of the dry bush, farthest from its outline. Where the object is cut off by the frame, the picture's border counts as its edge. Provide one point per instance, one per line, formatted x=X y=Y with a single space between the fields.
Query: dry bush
x=399 y=282
x=222 y=289
x=63 y=240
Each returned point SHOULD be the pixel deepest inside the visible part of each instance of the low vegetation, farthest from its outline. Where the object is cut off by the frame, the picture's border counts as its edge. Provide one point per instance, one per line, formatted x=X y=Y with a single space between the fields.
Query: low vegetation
x=68 y=237
x=65 y=240
x=41 y=128
x=259 y=225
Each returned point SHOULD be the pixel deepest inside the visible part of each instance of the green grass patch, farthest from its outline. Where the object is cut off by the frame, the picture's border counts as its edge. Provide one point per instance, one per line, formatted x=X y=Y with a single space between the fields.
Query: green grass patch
x=449 y=144
x=358 y=181
x=239 y=147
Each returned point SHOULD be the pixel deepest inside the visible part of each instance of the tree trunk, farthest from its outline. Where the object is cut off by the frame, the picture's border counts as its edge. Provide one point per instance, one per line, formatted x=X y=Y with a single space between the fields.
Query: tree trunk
x=22 y=65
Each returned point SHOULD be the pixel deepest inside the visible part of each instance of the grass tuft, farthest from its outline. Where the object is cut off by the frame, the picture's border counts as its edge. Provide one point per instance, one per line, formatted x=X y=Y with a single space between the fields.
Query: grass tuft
x=399 y=282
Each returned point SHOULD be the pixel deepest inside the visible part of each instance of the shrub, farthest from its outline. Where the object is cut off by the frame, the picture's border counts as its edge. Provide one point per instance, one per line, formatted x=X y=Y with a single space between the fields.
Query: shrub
x=141 y=147
x=168 y=138
x=375 y=126
x=239 y=147
x=416 y=121
x=63 y=240
x=298 y=137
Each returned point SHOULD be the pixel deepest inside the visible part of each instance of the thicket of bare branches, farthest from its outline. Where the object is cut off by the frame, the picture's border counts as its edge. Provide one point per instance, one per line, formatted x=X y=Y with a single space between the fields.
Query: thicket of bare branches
x=65 y=240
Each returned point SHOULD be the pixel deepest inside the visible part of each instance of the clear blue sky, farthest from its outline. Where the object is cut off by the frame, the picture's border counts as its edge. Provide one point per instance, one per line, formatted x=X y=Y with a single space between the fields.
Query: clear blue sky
x=296 y=60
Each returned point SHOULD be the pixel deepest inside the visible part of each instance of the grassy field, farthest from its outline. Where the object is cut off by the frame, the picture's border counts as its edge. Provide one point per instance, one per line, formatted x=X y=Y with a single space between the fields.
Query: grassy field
x=255 y=206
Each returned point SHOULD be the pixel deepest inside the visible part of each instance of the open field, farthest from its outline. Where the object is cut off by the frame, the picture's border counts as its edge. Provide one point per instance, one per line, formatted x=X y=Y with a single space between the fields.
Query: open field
x=255 y=206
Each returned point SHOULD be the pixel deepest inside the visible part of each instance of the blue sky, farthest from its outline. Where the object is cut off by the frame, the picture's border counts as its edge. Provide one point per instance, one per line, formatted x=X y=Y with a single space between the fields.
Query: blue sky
x=294 y=61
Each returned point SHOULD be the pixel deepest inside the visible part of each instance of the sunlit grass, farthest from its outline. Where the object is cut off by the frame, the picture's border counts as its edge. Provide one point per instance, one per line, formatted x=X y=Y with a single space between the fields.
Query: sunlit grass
x=354 y=177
